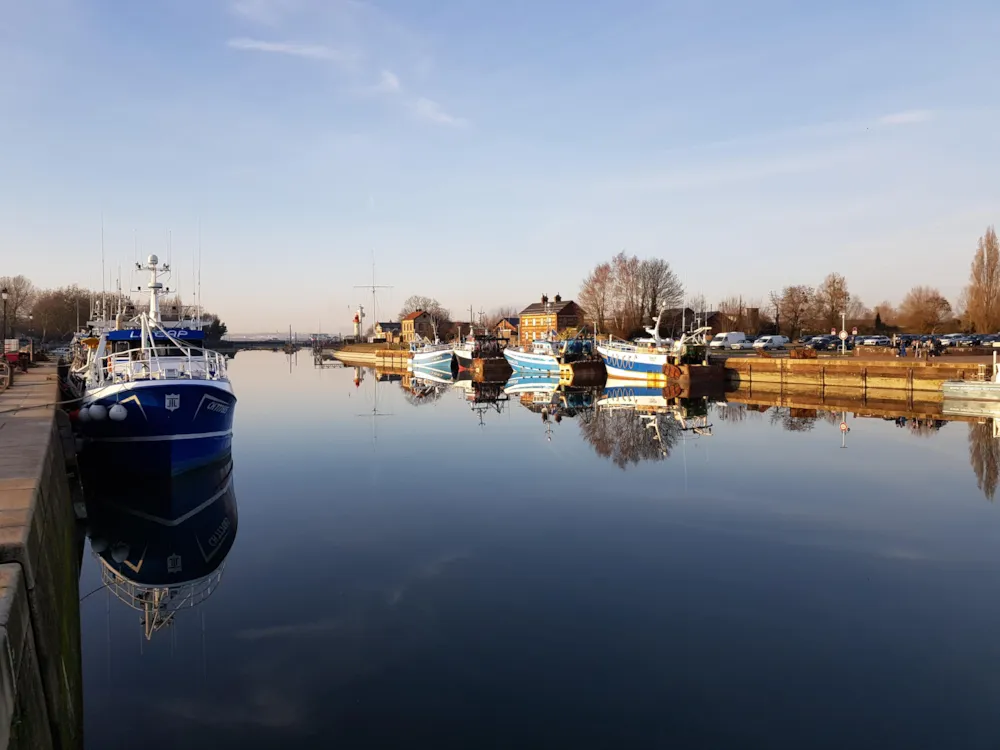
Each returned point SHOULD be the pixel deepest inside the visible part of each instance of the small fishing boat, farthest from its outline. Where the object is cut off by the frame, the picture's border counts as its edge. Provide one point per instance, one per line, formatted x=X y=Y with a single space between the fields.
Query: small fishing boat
x=479 y=346
x=153 y=398
x=437 y=356
x=545 y=356
x=655 y=358
x=432 y=375
x=985 y=394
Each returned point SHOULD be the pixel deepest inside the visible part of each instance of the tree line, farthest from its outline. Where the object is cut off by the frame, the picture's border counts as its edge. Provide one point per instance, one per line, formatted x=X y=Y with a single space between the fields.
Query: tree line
x=56 y=314
x=622 y=295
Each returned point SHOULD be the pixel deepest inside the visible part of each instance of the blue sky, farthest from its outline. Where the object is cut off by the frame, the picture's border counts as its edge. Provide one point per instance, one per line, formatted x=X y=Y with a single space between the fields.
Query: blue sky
x=489 y=152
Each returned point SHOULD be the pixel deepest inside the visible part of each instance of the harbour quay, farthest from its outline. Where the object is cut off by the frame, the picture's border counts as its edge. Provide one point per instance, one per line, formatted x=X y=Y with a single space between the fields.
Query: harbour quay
x=41 y=704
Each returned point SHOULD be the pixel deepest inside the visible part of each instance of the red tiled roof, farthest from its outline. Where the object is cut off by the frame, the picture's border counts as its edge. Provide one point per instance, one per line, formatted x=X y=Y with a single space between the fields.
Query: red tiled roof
x=414 y=315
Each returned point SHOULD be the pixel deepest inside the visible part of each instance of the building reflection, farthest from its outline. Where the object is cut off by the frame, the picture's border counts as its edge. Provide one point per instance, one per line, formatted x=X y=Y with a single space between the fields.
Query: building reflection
x=161 y=542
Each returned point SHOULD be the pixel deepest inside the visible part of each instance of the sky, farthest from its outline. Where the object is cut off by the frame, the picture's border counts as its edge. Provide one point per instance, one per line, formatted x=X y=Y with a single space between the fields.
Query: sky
x=486 y=153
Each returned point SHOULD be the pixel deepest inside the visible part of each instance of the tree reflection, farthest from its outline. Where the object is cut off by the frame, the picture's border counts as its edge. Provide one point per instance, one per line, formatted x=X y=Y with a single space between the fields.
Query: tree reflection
x=420 y=393
x=791 y=420
x=984 y=455
x=628 y=437
x=734 y=412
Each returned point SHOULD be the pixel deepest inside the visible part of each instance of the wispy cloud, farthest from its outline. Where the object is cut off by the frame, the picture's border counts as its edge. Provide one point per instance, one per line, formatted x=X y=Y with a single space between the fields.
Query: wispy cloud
x=388 y=83
x=362 y=39
x=909 y=117
x=295 y=49
x=431 y=111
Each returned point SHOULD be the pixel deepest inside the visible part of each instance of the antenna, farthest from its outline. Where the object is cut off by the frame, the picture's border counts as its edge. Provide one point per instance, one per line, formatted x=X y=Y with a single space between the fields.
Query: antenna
x=104 y=288
x=374 y=287
x=198 y=283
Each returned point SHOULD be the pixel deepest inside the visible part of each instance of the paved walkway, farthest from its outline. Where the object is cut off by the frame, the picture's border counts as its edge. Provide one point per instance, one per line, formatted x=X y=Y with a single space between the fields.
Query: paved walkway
x=24 y=433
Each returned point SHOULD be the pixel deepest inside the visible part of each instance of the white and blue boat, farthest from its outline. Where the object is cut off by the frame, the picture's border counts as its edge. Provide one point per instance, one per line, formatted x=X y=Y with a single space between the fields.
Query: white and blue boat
x=436 y=357
x=545 y=355
x=154 y=398
x=653 y=359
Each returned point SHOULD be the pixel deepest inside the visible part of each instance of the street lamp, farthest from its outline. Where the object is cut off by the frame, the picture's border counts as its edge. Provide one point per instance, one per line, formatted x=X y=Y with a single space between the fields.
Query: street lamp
x=3 y=330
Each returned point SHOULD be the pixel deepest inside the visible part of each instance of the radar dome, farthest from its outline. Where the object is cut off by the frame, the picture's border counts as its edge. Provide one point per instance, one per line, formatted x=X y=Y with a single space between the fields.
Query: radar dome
x=153 y=260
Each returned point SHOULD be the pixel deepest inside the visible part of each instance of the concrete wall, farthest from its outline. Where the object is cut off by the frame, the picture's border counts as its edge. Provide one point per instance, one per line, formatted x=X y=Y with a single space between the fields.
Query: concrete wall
x=39 y=571
x=848 y=373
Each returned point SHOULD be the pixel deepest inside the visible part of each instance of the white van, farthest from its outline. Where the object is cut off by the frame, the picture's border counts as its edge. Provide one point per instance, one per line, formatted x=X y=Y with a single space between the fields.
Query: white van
x=770 y=342
x=726 y=340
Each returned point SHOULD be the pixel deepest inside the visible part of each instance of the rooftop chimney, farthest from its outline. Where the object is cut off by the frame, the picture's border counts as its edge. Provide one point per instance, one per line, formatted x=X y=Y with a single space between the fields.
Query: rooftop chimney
x=545 y=299
x=558 y=299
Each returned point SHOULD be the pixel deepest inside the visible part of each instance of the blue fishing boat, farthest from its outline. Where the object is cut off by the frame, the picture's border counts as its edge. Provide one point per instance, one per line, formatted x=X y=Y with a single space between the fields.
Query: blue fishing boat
x=437 y=357
x=154 y=397
x=545 y=356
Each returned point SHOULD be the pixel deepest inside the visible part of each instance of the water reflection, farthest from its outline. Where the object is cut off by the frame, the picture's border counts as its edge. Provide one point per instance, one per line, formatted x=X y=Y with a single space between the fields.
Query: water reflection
x=630 y=424
x=984 y=455
x=161 y=542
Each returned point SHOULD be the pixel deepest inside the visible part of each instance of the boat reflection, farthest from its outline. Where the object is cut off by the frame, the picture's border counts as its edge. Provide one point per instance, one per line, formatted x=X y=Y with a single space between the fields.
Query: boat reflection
x=554 y=402
x=632 y=423
x=162 y=541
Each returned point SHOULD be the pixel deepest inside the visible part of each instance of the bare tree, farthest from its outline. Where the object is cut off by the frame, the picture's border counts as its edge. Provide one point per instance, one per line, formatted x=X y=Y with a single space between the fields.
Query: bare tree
x=924 y=310
x=831 y=299
x=627 y=293
x=597 y=294
x=792 y=306
x=735 y=310
x=497 y=314
x=856 y=310
x=887 y=313
x=439 y=315
x=659 y=286
x=20 y=293
x=57 y=312
x=697 y=303
x=982 y=295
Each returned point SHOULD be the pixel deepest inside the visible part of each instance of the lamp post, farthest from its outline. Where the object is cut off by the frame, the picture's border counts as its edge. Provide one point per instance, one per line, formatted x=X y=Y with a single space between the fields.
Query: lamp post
x=3 y=330
x=31 y=336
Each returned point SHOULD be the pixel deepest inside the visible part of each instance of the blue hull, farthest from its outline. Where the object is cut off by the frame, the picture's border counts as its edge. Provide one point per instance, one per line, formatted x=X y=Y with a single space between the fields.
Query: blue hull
x=169 y=425
x=442 y=363
x=530 y=363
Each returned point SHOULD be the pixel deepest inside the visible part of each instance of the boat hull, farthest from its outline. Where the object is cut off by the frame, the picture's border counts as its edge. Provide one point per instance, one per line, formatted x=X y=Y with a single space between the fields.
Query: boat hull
x=442 y=361
x=971 y=390
x=531 y=363
x=169 y=425
x=636 y=365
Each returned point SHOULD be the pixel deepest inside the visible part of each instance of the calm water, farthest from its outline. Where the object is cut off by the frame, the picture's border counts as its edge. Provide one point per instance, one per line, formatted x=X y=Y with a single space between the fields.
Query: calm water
x=430 y=578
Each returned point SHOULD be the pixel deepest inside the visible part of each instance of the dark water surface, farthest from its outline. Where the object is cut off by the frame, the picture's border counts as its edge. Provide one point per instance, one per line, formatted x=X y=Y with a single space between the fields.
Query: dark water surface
x=420 y=579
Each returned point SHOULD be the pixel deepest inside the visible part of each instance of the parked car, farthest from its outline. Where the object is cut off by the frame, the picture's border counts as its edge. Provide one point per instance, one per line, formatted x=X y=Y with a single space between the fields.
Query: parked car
x=836 y=344
x=770 y=342
x=949 y=339
x=820 y=343
x=744 y=344
x=726 y=340
x=966 y=340
x=877 y=340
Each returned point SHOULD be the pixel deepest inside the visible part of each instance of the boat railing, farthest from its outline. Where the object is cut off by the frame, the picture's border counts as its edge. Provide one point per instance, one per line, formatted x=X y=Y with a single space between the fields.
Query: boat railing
x=159 y=603
x=141 y=363
x=628 y=346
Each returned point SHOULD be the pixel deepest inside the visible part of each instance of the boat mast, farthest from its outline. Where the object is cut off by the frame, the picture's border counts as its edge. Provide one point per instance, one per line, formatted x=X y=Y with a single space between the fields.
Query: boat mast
x=154 y=286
